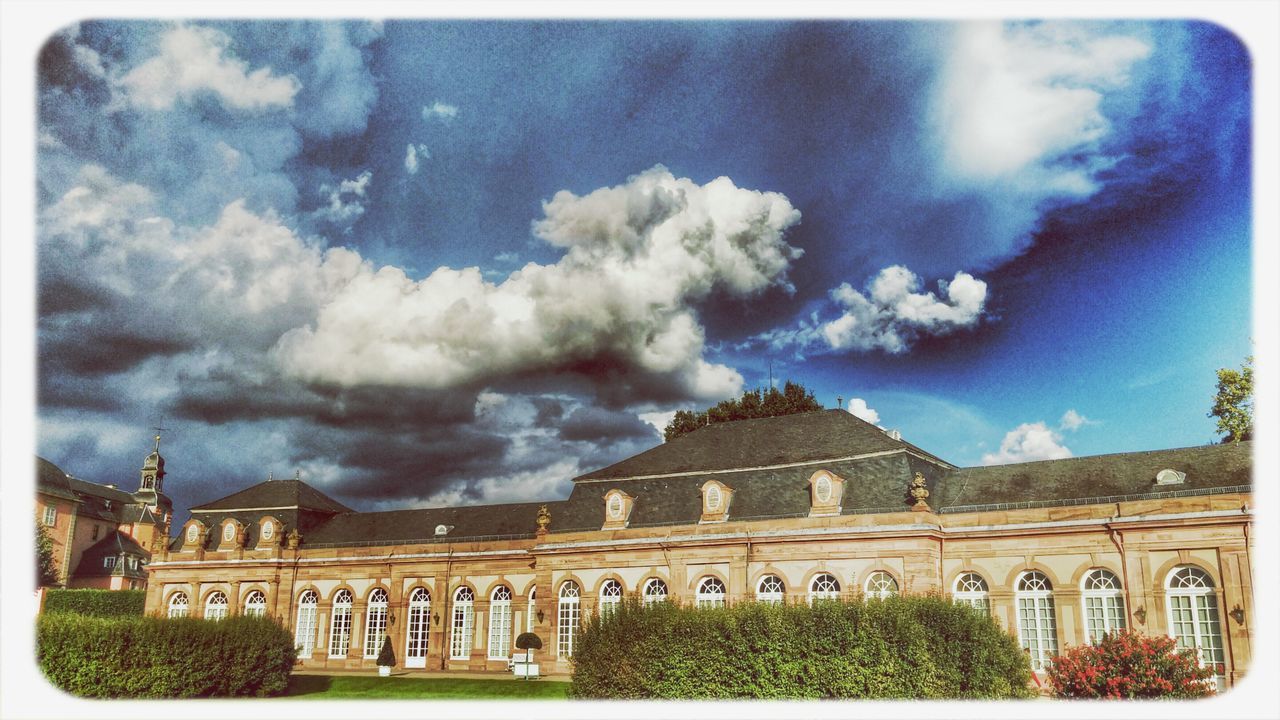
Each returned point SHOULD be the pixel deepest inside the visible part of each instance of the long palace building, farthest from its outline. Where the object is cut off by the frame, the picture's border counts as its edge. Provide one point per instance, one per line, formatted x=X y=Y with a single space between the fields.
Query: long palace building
x=786 y=509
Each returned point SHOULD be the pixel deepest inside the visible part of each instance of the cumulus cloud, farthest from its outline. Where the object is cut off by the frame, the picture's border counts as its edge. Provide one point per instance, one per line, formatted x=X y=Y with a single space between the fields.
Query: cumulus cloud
x=411 y=157
x=439 y=110
x=1018 y=113
x=1072 y=420
x=195 y=60
x=859 y=409
x=889 y=316
x=638 y=257
x=346 y=200
x=1028 y=442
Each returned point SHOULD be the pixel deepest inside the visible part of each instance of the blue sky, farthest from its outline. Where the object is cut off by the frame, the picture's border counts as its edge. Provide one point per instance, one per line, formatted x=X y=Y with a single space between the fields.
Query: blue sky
x=439 y=262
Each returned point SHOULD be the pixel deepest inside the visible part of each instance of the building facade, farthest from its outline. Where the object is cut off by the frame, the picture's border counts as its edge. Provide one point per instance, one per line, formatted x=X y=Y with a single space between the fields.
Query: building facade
x=789 y=509
x=102 y=536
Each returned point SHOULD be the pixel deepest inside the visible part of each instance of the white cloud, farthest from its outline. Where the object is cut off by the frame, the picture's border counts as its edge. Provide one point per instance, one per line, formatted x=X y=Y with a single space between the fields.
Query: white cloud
x=195 y=60
x=859 y=409
x=637 y=256
x=1019 y=104
x=345 y=200
x=413 y=155
x=1028 y=442
x=1072 y=420
x=444 y=111
x=889 y=316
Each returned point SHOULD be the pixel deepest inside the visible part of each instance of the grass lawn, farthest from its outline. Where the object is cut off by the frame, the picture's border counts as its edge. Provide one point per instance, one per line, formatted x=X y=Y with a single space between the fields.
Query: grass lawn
x=330 y=687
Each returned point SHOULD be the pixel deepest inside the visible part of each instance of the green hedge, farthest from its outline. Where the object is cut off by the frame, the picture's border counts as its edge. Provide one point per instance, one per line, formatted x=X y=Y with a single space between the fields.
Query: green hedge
x=152 y=657
x=908 y=647
x=96 y=603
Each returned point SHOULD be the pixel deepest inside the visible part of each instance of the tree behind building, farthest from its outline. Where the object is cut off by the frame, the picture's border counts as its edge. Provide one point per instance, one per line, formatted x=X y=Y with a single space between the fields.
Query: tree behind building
x=1233 y=405
x=792 y=399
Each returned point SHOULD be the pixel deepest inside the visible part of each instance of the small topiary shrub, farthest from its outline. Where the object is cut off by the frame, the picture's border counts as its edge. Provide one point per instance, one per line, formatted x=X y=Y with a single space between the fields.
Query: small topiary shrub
x=150 y=657
x=96 y=603
x=387 y=656
x=1129 y=665
x=909 y=647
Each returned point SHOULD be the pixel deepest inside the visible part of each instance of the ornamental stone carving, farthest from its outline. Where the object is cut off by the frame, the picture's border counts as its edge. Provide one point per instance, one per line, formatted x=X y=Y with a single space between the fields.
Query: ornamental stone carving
x=919 y=492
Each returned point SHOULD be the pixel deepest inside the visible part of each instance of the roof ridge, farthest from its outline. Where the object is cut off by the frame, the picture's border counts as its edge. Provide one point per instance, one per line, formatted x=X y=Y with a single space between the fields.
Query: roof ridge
x=1205 y=446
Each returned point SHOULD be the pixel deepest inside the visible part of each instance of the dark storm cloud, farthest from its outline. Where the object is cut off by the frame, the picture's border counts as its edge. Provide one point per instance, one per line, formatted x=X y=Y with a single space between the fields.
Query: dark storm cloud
x=600 y=426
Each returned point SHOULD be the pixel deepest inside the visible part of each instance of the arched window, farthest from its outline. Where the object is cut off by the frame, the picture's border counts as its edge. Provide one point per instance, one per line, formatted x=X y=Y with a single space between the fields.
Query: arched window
x=228 y=532
x=375 y=623
x=533 y=604
x=610 y=596
x=1103 y=604
x=567 y=617
x=178 y=605
x=193 y=533
x=215 y=606
x=771 y=590
x=500 y=623
x=304 y=634
x=255 y=604
x=418 y=627
x=880 y=584
x=824 y=586
x=713 y=498
x=822 y=489
x=1193 y=615
x=970 y=589
x=463 y=624
x=710 y=593
x=1037 y=626
x=655 y=590
x=340 y=625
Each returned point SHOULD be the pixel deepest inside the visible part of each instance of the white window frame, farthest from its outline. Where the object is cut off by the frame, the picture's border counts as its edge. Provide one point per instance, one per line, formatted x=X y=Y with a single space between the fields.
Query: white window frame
x=610 y=596
x=971 y=589
x=500 y=623
x=462 y=623
x=824 y=586
x=1102 y=603
x=179 y=605
x=216 y=606
x=417 y=628
x=109 y=562
x=568 y=617
x=193 y=533
x=528 y=617
x=375 y=622
x=50 y=515
x=1192 y=602
x=340 y=624
x=713 y=499
x=255 y=604
x=771 y=589
x=304 y=632
x=655 y=591
x=711 y=592
x=1037 y=617
x=880 y=584
x=228 y=532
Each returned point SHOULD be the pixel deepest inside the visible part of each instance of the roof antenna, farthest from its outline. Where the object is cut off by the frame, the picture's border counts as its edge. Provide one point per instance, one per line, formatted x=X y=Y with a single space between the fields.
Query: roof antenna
x=270 y=476
x=839 y=402
x=297 y=474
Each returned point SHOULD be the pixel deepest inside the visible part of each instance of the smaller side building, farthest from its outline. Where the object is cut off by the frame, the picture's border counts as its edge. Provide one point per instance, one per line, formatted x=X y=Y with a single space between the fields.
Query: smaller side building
x=102 y=536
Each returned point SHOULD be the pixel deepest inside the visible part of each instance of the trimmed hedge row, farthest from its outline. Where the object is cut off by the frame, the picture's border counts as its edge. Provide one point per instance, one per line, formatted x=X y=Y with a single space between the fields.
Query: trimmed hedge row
x=96 y=603
x=902 y=647
x=150 y=657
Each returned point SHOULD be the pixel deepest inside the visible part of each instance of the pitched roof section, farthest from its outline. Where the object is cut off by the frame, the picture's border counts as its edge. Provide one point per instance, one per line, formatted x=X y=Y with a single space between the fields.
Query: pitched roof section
x=113 y=545
x=760 y=443
x=1207 y=467
x=277 y=494
x=471 y=522
x=52 y=480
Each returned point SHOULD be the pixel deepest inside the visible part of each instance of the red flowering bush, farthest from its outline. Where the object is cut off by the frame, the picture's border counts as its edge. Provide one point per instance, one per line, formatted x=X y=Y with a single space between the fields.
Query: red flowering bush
x=1129 y=665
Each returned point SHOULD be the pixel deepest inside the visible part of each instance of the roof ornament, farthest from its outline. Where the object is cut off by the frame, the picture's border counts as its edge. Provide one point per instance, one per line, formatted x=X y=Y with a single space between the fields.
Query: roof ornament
x=293 y=539
x=297 y=474
x=270 y=476
x=544 y=520
x=919 y=492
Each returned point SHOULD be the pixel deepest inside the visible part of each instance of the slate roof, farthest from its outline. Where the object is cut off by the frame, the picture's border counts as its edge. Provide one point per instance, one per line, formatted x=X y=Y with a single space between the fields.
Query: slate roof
x=1208 y=467
x=474 y=521
x=52 y=480
x=275 y=494
x=804 y=437
x=113 y=545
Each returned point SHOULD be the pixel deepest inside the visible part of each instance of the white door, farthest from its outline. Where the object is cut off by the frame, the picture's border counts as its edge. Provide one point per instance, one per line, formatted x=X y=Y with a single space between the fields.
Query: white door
x=415 y=653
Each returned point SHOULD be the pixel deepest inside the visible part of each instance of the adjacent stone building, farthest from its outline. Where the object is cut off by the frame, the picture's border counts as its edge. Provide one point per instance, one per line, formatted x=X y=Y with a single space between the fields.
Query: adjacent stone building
x=102 y=536
x=788 y=509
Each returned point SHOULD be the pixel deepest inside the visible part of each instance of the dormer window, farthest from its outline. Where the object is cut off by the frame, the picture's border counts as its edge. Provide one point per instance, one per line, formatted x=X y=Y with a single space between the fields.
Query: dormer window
x=442 y=530
x=193 y=533
x=825 y=493
x=268 y=530
x=228 y=532
x=822 y=489
x=1170 y=477
x=617 y=509
x=716 y=499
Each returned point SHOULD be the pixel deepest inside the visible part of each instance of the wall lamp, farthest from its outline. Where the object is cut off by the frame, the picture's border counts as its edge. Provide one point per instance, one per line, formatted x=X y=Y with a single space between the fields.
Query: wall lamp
x=1140 y=615
x=1237 y=614
x=539 y=615
x=391 y=618
x=436 y=617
